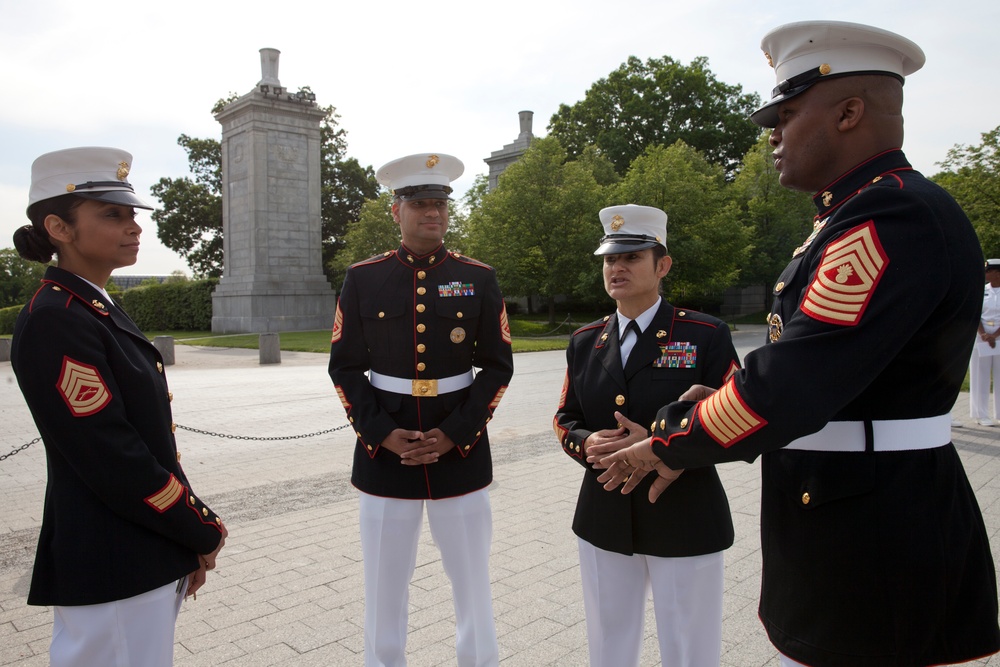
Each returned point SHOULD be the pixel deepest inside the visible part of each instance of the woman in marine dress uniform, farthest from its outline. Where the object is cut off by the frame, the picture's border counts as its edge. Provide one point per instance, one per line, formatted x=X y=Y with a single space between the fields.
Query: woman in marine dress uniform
x=124 y=537
x=616 y=380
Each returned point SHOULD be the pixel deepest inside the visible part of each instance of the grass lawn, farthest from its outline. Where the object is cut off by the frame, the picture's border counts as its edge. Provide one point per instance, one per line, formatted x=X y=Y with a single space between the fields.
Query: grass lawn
x=528 y=336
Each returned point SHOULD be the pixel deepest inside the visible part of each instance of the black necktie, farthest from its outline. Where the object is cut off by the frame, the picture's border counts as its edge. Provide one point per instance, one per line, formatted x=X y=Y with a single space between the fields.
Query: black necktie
x=631 y=326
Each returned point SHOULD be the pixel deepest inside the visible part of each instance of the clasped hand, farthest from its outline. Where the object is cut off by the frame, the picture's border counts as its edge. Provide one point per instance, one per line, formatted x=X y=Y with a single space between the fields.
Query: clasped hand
x=416 y=448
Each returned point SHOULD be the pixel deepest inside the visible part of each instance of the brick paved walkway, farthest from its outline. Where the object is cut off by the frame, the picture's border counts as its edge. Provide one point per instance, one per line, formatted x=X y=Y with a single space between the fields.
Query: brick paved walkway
x=289 y=589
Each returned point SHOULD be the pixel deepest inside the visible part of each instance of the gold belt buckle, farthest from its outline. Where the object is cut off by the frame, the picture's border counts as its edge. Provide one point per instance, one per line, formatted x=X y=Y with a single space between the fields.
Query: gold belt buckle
x=424 y=388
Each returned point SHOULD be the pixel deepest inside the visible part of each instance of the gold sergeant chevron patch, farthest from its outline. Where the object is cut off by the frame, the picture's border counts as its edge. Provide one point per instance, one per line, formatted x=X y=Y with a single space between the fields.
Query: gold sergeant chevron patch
x=559 y=430
x=733 y=367
x=496 y=399
x=338 y=325
x=83 y=388
x=343 y=398
x=726 y=418
x=565 y=391
x=846 y=278
x=504 y=325
x=166 y=497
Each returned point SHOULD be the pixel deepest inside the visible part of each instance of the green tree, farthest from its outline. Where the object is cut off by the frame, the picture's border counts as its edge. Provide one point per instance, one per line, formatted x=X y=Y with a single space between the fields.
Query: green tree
x=655 y=104
x=539 y=227
x=190 y=222
x=972 y=176
x=707 y=247
x=19 y=278
x=778 y=219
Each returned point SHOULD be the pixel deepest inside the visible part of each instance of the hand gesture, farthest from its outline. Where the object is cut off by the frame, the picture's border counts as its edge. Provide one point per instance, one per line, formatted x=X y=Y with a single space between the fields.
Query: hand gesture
x=628 y=466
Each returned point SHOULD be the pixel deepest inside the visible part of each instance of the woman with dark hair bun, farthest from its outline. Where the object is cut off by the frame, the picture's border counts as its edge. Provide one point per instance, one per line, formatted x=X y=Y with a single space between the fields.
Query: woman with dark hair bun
x=124 y=539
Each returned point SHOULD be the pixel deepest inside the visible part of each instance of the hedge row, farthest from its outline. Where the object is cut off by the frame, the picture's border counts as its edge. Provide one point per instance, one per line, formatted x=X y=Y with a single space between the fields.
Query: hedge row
x=7 y=318
x=174 y=306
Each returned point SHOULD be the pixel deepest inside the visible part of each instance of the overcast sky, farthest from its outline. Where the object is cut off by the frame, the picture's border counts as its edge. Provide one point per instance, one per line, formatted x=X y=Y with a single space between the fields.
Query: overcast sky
x=407 y=77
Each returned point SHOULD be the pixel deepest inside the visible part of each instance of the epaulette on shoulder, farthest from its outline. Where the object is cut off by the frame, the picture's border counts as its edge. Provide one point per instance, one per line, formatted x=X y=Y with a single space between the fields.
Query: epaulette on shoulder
x=52 y=293
x=686 y=314
x=374 y=259
x=468 y=260
x=597 y=324
x=890 y=179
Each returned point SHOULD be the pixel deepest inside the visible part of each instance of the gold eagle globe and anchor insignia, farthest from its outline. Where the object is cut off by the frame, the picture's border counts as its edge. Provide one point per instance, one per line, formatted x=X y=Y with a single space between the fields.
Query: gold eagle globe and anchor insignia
x=432 y=161
x=617 y=222
x=123 y=170
x=774 y=327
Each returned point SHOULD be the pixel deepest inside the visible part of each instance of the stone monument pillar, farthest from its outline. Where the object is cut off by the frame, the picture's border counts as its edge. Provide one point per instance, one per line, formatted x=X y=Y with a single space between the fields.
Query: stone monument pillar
x=511 y=153
x=273 y=275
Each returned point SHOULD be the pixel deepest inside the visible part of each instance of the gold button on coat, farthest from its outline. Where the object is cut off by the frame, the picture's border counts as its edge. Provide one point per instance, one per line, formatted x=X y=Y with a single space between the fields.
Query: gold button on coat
x=421 y=348
x=421 y=366
x=421 y=274
x=459 y=315
x=684 y=422
x=421 y=328
x=619 y=400
x=806 y=498
x=421 y=307
x=381 y=314
x=421 y=291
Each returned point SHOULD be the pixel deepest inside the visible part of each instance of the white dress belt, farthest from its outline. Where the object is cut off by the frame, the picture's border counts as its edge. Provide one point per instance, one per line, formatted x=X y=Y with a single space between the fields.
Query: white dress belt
x=891 y=435
x=421 y=388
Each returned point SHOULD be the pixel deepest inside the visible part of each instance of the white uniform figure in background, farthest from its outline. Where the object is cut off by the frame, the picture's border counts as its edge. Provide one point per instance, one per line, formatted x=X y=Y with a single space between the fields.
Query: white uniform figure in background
x=986 y=354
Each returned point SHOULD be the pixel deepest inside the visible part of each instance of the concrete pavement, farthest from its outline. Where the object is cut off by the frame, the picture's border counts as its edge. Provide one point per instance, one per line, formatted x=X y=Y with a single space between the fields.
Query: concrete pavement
x=289 y=586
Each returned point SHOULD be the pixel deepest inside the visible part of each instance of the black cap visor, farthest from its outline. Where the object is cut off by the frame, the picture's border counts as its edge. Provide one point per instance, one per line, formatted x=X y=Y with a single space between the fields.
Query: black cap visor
x=411 y=192
x=615 y=244
x=120 y=197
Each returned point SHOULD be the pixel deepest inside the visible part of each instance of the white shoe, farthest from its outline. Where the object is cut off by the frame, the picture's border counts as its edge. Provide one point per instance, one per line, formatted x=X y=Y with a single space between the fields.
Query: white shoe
x=956 y=424
x=985 y=422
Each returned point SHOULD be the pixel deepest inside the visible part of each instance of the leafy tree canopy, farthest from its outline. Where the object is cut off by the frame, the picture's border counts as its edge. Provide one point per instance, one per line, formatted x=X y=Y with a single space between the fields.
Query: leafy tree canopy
x=778 y=219
x=19 y=278
x=656 y=103
x=539 y=222
x=708 y=245
x=972 y=176
x=190 y=221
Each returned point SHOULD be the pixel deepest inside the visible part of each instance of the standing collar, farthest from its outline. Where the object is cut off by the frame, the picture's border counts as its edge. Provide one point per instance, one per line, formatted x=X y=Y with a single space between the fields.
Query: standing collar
x=849 y=184
x=415 y=261
x=644 y=319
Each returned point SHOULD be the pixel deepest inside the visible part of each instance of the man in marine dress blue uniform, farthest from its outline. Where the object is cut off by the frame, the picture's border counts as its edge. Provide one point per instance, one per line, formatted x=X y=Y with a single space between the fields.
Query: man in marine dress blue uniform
x=873 y=544
x=410 y=326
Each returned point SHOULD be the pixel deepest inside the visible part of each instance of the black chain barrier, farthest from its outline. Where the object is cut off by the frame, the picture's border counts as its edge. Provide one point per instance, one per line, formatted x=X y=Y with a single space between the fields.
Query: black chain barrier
x=259 y=437
x=23 y=447
x=19 y=449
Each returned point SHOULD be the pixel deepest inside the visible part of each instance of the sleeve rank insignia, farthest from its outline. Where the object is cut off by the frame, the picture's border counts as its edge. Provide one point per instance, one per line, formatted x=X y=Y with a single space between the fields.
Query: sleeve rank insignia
x=83 y=388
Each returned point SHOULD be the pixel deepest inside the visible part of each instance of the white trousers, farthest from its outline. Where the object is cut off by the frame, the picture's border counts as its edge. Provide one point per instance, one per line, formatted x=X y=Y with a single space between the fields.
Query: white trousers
x=785 y=661
x=125 y=633
x=462 y=529
x=980 y=369
x=687 y=602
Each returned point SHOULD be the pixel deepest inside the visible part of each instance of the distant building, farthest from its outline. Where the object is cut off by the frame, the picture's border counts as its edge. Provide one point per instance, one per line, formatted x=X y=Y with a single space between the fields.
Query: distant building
x=128 y=282
x=511 y=153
